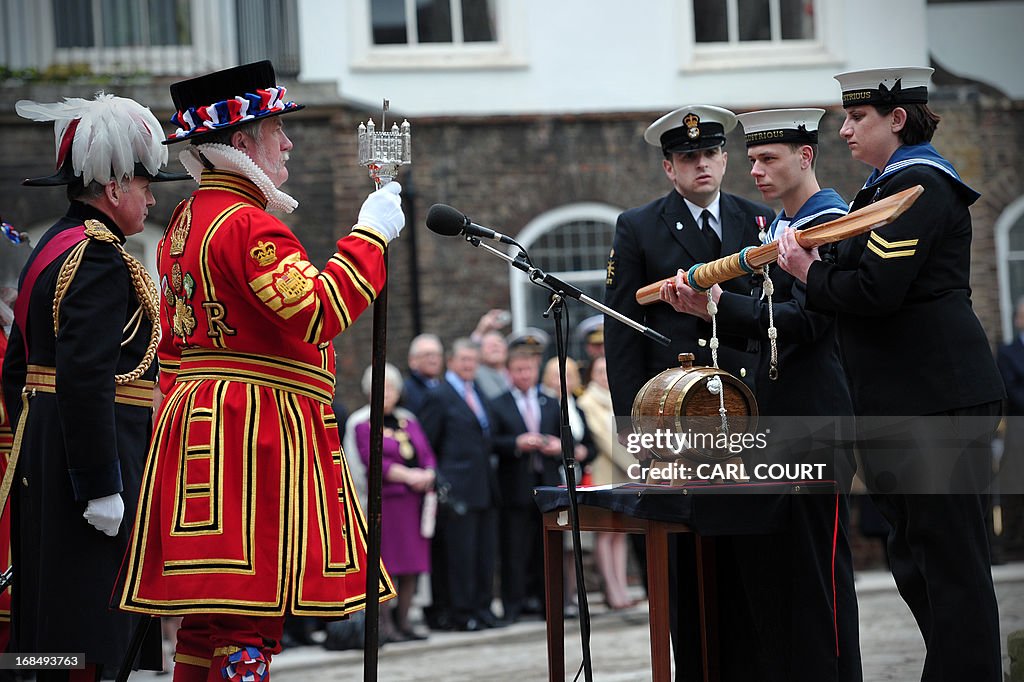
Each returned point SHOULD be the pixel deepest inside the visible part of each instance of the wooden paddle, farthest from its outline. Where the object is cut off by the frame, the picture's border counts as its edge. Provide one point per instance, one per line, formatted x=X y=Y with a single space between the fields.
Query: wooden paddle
x=874 y=215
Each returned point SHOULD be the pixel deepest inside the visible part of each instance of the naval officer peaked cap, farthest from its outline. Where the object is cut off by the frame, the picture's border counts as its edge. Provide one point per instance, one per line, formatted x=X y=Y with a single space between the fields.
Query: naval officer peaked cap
x=691 y=128
x=891 y=86
x=772 y=126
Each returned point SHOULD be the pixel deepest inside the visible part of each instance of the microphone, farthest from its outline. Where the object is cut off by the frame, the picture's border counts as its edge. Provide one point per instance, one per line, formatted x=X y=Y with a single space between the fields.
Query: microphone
x=449 y=222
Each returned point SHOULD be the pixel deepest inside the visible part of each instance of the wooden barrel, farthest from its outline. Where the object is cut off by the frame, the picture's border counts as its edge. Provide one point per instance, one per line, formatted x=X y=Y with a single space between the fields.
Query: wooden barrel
x=685 y=400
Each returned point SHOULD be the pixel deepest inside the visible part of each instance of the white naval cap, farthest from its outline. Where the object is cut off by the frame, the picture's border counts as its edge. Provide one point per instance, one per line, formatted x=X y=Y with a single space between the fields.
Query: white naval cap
x=892 y=86
x=771 y=126
x=690 y=128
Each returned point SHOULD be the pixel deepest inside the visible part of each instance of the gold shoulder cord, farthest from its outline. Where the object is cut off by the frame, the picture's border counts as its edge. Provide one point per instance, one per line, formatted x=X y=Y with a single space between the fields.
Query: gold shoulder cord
x=145 y=290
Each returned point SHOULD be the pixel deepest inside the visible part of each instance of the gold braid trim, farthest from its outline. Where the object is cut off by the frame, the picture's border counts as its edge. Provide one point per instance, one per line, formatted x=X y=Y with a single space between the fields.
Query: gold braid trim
x=67 y=273
x=145 y=290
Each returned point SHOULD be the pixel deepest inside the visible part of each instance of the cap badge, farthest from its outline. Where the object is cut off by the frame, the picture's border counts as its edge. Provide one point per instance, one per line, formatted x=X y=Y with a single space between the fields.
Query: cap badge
x=692 y=122
x=890 y=95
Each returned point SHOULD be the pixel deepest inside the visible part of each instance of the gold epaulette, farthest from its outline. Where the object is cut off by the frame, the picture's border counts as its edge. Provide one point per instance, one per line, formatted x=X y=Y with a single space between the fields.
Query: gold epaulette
x=94 y=229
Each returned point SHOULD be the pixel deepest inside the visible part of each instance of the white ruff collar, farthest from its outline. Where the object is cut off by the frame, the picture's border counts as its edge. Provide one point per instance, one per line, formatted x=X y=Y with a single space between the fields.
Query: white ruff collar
x=228 y=158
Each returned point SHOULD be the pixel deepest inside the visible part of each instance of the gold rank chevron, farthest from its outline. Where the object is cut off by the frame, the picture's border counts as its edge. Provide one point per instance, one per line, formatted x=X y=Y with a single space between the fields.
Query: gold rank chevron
x=886 y=249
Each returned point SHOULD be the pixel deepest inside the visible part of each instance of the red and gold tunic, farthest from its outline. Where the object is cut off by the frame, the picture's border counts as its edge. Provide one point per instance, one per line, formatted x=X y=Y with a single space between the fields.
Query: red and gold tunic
x=247 y=503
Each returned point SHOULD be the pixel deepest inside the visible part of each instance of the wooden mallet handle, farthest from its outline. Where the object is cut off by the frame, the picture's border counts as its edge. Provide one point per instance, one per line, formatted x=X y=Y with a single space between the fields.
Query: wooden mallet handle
x=704 y=275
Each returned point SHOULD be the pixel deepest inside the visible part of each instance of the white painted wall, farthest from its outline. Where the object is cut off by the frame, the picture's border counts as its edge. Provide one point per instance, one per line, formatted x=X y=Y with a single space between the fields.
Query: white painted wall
x=980 y=40
x=607 y=55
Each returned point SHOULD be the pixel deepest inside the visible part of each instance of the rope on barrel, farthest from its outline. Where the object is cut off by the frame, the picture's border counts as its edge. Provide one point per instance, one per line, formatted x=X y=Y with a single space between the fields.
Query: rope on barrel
x=767 y=289
x=715 y=383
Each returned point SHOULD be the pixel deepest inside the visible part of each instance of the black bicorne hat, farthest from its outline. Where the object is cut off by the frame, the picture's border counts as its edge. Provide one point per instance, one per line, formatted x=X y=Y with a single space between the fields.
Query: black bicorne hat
x=65 y=175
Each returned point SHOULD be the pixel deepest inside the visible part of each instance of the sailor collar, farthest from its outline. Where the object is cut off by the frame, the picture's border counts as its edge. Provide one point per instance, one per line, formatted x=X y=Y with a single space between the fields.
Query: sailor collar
x=915 y=155
x=823 y=202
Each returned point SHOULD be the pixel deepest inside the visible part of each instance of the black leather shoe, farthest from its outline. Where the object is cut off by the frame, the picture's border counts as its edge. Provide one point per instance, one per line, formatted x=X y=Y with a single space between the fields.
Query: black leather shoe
x=413 y=635
x=440 y=621
x=533 y=607
x=490 y=620
x=470 y=625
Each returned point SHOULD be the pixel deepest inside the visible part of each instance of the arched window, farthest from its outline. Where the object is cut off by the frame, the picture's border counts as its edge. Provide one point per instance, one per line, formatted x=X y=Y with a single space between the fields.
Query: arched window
x=1010 y=260
x=571 y=243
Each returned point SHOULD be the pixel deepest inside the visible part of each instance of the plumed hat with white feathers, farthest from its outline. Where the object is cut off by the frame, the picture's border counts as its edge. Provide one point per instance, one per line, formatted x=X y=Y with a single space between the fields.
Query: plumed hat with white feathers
x=103 y=139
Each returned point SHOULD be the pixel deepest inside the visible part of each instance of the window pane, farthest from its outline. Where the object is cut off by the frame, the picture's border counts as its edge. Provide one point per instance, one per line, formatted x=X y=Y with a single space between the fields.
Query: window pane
x=1016 y=268
x=710 y=23
x=121 y=23
x=1017 y=236
x=169 y=22
x=574 y=246
x=73 y=23
x=797 y=19
x=388 y=20
x=434 y=21
x=754 y=20
x=478 y=21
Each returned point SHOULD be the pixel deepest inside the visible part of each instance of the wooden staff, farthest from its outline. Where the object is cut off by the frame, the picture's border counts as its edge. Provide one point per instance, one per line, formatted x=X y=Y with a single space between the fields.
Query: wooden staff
x=704 y=275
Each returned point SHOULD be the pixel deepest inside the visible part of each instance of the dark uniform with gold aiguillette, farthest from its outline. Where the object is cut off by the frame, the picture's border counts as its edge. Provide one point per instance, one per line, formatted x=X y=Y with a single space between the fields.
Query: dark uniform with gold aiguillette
x=84 y=438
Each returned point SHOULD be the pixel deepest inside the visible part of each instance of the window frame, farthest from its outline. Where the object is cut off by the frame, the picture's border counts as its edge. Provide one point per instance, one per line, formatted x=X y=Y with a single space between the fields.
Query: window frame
x=519 y=285
x=209 y=26
x=507 y=50
x=824 y=49
x=1011 y=216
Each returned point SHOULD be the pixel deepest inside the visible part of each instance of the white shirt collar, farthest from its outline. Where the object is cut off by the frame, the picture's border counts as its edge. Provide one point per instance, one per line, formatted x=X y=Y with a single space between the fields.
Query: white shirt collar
x=714 y=208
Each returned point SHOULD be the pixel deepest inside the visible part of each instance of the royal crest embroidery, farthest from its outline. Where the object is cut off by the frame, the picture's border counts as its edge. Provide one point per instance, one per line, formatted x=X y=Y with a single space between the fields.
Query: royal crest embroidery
x=180 y=229
x=94 y=229
x=264 y=253
x=177 y=292
x=184 y=322
x=292 y=285
x=176 y=275
x=609 y=277
x=692 y=123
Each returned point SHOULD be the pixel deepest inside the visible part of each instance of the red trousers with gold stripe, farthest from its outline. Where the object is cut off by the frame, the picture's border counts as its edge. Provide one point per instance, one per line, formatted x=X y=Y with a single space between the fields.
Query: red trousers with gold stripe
x=205 y=640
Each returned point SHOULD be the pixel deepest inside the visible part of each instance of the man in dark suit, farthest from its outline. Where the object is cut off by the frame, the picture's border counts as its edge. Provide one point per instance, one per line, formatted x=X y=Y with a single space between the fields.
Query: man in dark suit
x=526 y=440
x=801 y=592
x=457 y=420
x=694 y=223
x=426 y=365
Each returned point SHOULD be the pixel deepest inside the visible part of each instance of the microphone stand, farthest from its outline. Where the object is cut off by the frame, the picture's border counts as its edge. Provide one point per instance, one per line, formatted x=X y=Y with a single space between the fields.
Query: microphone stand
x=560 y=291
x=564 y=289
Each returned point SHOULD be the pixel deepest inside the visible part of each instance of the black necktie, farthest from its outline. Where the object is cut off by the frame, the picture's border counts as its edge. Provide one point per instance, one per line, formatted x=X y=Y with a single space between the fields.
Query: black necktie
x=714 y=243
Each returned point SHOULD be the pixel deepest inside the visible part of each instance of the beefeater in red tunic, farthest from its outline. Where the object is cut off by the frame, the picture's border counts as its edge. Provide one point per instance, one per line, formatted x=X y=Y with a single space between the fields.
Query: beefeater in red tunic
x=248 y=510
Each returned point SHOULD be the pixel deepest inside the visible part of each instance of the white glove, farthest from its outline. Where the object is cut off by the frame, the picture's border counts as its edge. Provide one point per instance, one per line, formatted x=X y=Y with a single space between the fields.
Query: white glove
x=382 y=211
x=105 y=513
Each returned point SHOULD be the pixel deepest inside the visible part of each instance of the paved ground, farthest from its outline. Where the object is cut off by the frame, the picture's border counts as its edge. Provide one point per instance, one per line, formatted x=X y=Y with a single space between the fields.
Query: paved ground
x=891 y=646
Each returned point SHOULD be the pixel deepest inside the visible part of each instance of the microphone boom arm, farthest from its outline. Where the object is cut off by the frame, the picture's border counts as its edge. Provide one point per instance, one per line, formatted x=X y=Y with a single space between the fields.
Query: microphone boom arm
x=557 y=286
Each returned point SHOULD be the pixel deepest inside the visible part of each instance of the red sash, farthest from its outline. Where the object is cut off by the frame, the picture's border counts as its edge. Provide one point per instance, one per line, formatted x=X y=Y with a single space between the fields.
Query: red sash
x=55 y=247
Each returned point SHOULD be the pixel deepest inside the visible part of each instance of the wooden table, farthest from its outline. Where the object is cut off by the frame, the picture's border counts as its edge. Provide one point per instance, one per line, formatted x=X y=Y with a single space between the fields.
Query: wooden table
x=594 y=518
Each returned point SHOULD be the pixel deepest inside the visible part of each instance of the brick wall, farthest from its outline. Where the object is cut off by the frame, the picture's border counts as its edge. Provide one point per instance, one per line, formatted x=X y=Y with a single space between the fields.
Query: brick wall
x=505 y=171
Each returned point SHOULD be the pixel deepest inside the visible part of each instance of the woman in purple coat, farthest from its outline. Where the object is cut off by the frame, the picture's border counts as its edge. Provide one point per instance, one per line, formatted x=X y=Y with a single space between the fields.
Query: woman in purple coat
x=408 y=471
